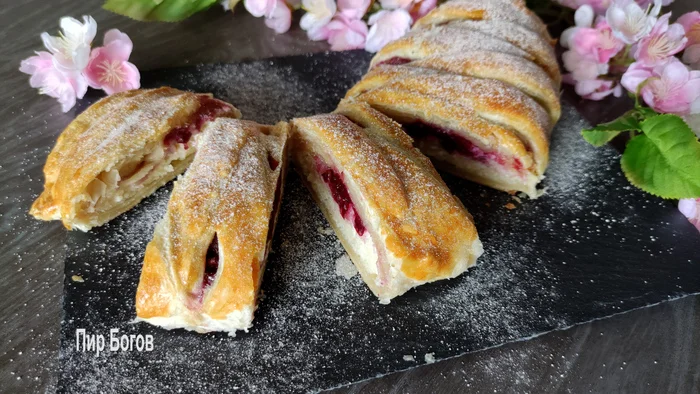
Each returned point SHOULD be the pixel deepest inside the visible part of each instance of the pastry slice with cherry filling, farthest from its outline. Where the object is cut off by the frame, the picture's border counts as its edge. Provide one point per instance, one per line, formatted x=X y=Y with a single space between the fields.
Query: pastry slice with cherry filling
x=203 y=269
x=395 y=217
x=120 y=150
x=509 y=69
x=480 y=129
x=515 y=12
x=466 y=36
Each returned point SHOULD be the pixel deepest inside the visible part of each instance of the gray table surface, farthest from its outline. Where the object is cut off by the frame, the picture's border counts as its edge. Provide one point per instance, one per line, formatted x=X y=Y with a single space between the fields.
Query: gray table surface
x=655 y=349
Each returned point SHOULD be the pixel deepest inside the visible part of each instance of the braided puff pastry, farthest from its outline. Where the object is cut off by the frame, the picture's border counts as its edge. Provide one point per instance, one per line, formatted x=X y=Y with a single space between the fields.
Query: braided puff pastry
x=203 y=268
x=515 y=12
x=509 y=69
x=480 y=129
x=393 y=213
x=119 y=151
x=462 y=36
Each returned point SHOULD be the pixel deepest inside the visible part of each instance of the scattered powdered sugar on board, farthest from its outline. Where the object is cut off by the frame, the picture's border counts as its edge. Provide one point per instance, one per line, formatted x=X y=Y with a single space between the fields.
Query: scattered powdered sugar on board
x=344 y=267
x=315 y=330
x=429 y=358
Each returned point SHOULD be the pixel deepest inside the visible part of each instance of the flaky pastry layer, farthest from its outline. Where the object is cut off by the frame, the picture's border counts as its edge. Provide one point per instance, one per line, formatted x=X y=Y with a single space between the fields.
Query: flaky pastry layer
x=412 y=230
x=119 y=151
x=203 y=269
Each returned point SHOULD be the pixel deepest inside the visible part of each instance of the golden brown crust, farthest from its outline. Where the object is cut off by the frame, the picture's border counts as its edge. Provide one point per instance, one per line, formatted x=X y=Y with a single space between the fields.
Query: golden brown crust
x=463 y=36
x=114 y=128
x=494 y=108
x=509 y=69
x=422 y=225
x=229 y=192
x=512 y=11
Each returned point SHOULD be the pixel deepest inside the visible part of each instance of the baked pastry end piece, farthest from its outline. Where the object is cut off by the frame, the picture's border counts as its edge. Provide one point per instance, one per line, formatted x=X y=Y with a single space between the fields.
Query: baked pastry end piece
x=392 y=212
x=120 y=150
x=203 y=269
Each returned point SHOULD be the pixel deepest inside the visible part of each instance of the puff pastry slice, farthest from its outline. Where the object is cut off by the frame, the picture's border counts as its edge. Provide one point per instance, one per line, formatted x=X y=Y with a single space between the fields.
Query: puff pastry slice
x=393 y=213
x=511 y=11
x=119 y=151
x=509 y=69
x=202 y=270
x=480 y=129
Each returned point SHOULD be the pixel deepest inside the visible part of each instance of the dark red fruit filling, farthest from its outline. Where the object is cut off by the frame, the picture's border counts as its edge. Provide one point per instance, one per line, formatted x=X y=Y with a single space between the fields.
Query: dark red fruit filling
x=211 y=263
x=395 y=61
x=339 y=191
x=272 y=162
x=453 y=142
x=209 y=109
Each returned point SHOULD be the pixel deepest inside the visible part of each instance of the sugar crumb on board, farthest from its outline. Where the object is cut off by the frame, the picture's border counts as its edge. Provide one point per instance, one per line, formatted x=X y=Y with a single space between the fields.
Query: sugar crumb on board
x=429 y=358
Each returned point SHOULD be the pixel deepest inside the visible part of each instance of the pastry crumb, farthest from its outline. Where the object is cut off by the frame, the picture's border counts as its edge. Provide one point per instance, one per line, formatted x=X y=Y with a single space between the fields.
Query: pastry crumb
x=517 y=199
x=512 y=192
x=510 y=205
x=325 y=231
x=488 y=204
x=408 y=357
x=429 y=358
x=344 y=267
x=77 y=278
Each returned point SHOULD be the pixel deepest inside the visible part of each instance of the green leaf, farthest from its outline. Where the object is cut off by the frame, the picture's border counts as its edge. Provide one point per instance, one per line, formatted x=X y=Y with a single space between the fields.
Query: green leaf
x=158 y=10
x=665 y=160
x=603 y=133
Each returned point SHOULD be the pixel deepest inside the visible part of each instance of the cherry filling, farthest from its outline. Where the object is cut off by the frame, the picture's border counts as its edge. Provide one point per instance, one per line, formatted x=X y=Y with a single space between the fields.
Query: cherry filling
x=339 y=191
x=211 y=263
x=209 y=109
x=395 y=61
x=272 y=162
x=453 y=142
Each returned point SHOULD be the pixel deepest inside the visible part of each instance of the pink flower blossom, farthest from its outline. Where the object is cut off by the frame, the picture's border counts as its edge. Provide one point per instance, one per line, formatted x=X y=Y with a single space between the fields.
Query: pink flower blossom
x=690 y=208
x=109 y=66
x=344 y=33
x=395 y=4
x=647 y=3
x=280 y=18
x=597 y=89
x=259 y=8
x=386 y=26
x=629 y=21
x=598 y=42
x=583 y=17
x=691 y=25
x=668 y=87
x=52 y=81
x=353 y=9
x=71 y=49
x=583 y=67
x=663 y=41
x=599 y=6
x=318 y=14
x=421 y=8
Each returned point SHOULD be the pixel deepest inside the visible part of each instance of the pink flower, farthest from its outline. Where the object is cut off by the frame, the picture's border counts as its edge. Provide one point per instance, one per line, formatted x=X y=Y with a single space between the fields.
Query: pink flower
x=344 y=33
x=60 y=84
x=597 y=89
x=421 y=8
x=259 y=8
x=599 y=6
x=691 y=209
x=647 y=3
x=353 y=9
x=663 y=41
x=109 y=66
x=598 y=42
x=386 y=26
x=583 y=67
x=318 y=14
x=583 y=17
x=280 y=17
x=691 y=25
x=629 y=21
x=71 y=48
x=395 y=4
x=668 y=87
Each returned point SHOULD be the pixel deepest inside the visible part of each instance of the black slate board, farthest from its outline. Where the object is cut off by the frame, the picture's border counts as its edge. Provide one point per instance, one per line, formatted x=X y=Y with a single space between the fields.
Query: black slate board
x=592 y=247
